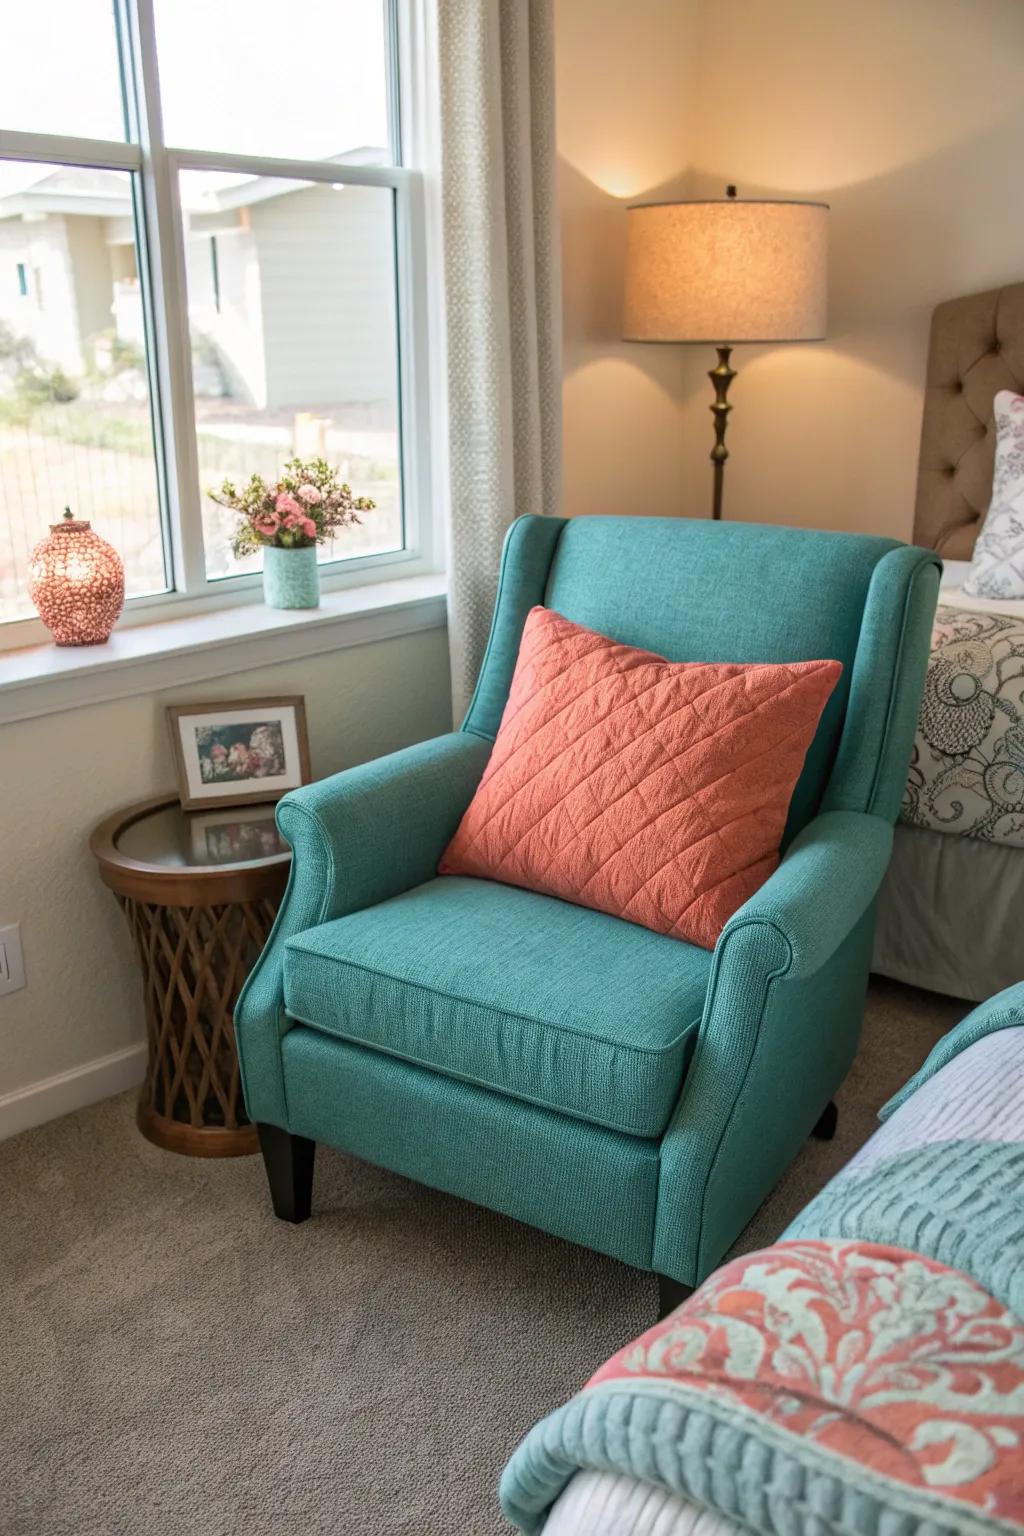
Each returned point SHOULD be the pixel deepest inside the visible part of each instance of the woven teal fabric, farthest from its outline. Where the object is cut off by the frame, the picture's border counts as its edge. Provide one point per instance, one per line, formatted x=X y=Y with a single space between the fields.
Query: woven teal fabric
x=525 y=562
x=659 y=583
x=1003 y=1011
x=553 y=1003
x=358 y=838
x=694 y=1445
x=783 y=1000
x=886 y=684
x=575 y=1180
x=956 y=1201
x=781 y=1027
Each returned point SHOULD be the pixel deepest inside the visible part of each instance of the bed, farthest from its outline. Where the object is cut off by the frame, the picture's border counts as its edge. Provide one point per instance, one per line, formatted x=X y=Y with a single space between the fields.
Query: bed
x=949 y=913
x=864 y=1374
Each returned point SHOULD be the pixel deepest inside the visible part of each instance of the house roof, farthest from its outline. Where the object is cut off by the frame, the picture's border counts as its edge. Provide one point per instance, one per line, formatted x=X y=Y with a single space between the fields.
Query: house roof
x=106 y=194
x=70 y=189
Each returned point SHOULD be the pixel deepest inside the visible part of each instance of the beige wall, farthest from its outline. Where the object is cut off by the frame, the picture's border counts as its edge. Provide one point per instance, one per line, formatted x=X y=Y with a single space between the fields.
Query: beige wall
x=64 y=772
x=625 y=94
x=908 y=118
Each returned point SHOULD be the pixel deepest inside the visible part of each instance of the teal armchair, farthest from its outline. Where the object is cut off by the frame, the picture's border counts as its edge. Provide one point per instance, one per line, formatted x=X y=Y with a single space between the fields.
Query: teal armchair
x=614 y=1086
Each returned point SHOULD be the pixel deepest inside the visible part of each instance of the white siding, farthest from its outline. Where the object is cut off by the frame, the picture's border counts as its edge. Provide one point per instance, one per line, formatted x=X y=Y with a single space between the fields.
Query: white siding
x=326 y=260
x=49 y=314
x=235 y=330
x=91 y=275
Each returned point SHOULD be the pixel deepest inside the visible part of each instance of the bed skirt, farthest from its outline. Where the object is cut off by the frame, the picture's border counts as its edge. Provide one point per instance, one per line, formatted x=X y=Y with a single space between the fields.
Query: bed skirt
x=949 y=914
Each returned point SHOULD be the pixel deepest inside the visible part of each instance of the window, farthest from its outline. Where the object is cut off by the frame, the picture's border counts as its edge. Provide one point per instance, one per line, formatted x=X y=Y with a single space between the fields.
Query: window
x=206 y=299
x=215 y=273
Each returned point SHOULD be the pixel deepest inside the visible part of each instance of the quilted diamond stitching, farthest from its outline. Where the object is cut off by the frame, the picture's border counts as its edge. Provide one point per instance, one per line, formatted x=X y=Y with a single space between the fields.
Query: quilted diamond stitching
x=714 y=830
x=632 y=699
x=571 y=746
x=536 y=822
x=528 y=739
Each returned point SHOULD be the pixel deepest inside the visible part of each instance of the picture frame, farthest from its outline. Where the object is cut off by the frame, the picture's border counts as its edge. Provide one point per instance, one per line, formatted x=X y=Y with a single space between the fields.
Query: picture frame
x=235 y=835
x=239 y=752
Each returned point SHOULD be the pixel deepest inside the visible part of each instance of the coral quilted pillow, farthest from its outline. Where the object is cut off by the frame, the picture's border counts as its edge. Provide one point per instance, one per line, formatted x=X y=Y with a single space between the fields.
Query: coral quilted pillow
x=651 y=789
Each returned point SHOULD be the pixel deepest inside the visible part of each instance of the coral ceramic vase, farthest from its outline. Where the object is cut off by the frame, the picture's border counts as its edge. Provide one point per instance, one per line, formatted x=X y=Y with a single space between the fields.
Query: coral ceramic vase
x=76 y=580
x=291 y=578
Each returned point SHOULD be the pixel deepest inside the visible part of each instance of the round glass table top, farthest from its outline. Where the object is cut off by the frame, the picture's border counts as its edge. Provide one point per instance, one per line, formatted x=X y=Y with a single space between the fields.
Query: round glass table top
x=244 y=834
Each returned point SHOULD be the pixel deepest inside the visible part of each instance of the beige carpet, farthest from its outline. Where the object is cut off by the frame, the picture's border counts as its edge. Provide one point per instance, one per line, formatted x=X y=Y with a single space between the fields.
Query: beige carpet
x=177 y=1361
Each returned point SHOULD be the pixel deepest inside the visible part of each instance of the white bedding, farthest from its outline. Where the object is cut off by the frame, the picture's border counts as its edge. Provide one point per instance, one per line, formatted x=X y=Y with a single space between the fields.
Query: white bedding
x=609 y=1504
x=953 y=575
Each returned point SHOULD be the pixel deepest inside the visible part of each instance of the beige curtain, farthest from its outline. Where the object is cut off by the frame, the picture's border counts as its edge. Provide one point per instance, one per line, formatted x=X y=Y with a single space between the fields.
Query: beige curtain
x=502 y=290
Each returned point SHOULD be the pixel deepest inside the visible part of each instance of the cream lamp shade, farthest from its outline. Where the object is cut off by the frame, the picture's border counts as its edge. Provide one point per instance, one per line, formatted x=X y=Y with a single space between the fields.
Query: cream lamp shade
x=726 y=271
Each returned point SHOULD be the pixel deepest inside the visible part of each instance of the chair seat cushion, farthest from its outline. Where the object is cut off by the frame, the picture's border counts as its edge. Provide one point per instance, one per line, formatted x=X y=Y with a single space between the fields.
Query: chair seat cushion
x=514 y=991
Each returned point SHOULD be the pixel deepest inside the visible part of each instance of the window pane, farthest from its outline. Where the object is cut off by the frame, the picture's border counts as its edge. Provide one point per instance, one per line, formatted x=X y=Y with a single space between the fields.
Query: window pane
x=304 y=80
x=58 y=69
x=75 y=423
x=291 y=298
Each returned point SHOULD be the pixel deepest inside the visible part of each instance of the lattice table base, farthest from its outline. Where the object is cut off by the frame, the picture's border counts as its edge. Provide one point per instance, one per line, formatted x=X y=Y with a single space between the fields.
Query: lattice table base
x=194 y=961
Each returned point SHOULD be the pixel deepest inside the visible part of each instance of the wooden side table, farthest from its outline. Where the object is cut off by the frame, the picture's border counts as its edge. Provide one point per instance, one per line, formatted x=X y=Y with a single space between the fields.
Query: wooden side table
x=200 y=891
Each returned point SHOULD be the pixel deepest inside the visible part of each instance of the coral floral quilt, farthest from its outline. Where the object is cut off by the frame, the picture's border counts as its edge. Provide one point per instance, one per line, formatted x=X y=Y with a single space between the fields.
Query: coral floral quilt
x=862 y=1377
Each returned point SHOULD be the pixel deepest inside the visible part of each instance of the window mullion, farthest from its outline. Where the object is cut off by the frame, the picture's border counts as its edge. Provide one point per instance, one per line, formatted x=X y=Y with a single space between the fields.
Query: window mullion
x=298 y=170
x=63 y=149
x=165 y=257
x=392 y=64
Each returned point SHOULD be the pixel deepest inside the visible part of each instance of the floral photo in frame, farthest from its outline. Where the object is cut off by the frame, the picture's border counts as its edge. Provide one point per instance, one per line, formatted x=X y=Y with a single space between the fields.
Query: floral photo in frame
x=239 y=752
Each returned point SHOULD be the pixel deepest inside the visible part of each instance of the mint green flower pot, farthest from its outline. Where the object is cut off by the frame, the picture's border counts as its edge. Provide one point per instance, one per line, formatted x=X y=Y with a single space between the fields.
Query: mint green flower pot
x=290 y=577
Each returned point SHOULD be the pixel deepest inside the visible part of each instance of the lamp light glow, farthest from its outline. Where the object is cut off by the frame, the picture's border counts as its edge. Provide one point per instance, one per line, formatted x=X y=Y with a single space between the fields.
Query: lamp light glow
x=726 y=271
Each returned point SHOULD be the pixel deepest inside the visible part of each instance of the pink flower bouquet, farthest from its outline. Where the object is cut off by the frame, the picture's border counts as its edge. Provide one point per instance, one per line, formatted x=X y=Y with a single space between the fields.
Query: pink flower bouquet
x=306 y=506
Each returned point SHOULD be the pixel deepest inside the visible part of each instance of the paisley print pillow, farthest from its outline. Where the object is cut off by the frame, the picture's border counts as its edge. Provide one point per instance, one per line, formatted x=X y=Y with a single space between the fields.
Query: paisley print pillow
x=997 y=569
x=967 y=766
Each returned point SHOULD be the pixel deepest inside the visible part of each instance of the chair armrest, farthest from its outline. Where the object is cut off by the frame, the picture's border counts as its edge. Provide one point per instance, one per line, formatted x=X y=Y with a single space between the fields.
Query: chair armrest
x=381 y=828
x=780 y=1028
x=357 y=839
x=829 y=877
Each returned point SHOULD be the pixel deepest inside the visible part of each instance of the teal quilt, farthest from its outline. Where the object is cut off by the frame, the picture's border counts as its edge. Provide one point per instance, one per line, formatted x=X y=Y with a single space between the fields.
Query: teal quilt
x=865 y=1375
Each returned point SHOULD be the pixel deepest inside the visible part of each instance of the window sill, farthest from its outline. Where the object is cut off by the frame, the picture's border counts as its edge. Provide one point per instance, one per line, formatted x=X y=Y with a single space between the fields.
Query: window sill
x=43 y=679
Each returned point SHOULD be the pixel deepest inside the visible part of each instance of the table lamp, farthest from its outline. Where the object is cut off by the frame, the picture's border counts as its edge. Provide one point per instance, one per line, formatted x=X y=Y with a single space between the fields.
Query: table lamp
x=724 y=271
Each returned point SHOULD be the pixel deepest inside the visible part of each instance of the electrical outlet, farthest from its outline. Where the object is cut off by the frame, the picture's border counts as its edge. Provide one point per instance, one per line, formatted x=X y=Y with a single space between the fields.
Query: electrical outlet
x=12 y=961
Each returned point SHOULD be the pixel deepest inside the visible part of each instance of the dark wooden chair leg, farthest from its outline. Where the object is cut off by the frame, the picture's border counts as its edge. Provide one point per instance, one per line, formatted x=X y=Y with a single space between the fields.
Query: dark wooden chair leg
x=828 y=1120
x=671 y=1294
x=289 y=1163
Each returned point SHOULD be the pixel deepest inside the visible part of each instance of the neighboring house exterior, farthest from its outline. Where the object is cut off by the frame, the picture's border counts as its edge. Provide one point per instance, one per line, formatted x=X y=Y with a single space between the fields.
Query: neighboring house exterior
x=59 y=261
x=291 y=287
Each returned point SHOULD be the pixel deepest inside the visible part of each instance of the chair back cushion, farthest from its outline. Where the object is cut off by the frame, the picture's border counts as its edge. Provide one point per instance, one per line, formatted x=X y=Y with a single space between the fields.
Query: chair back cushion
x=656 y=791
x=694 y=590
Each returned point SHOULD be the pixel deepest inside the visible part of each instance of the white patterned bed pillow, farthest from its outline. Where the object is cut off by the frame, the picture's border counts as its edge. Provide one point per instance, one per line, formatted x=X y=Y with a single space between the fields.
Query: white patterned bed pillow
x=997 y=569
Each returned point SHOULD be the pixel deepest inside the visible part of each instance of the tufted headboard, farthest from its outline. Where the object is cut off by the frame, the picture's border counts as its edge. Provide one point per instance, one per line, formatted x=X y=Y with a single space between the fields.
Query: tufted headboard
x=976 y=349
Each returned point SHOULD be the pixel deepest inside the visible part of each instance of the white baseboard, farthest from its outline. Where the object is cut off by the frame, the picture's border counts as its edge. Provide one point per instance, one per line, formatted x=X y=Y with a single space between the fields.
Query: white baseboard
x=56 y=1096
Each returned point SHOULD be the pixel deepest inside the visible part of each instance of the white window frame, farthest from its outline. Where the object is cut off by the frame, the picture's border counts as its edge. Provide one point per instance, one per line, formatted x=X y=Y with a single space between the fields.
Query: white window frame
x=160 y=234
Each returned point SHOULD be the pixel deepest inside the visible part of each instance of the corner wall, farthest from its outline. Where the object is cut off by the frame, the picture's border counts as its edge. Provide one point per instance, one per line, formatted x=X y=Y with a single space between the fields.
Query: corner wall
x=64 y=772
x=625 y=98
x=907 y=118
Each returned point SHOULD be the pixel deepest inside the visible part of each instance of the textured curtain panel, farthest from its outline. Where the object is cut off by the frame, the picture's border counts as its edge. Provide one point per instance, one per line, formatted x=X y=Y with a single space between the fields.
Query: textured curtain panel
x=502 y=278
